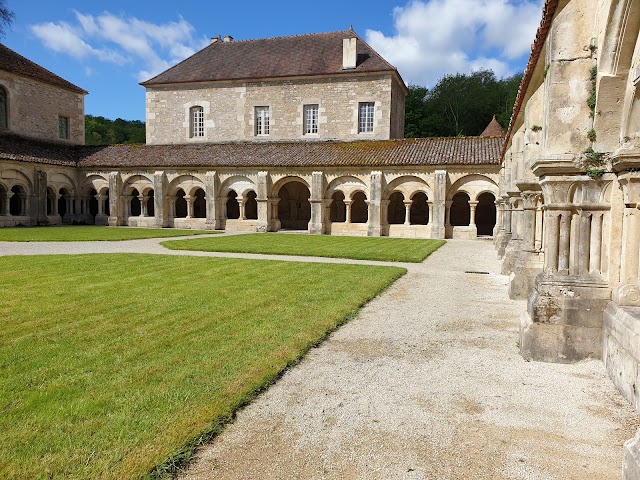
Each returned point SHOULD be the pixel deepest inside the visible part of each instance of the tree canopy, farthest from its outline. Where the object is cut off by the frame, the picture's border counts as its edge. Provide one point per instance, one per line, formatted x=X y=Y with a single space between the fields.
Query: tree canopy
x=102 y=131
x=6 y=18
x=460 y=105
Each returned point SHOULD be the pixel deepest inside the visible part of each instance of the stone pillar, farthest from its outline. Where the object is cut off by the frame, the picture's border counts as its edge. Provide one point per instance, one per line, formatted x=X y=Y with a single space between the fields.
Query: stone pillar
x=375 y=205
x=472 y=207
x=143 y=205
x=38 y=209
x=211 y=186
x=407 y=212
x=262 y=198
x=160 y=195
x=189 y=200
x=7 y=209
x=447 y=220
x=242 y=215
x=172 y=207
x=316 y=225
x=101 y=198
x=440 y=211
x=275 y=221
x=430 y=219
x=347 y=205
x=116 y=204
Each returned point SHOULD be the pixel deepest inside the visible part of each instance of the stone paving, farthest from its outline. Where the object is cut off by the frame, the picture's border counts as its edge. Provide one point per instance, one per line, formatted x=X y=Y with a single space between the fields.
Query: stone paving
x=426 y=383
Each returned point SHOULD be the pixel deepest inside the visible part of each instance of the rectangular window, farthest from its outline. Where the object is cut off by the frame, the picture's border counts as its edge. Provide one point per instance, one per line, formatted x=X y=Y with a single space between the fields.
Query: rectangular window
x=63 y=127
x=262 y=120
x=310 y=119
x=365 y=117
x=197 y=122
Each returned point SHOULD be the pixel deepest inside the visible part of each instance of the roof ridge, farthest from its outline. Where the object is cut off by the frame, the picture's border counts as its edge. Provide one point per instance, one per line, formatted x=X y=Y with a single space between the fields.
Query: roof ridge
x=296 y=35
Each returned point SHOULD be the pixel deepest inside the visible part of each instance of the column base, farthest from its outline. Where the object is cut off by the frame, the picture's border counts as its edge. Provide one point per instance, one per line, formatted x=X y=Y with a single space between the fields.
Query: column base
x=374 y=230
x=563 y=323
x=511 y=253
x=523 y=278
x=501 y=243
x=262 y=227
x=116 y=221
x=316 y=228
x=631 y=458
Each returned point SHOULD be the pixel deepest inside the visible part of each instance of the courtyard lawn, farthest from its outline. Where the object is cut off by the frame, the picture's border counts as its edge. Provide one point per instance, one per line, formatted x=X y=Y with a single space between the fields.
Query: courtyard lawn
x=113 y=365
x=358 y=248
x=89 y=233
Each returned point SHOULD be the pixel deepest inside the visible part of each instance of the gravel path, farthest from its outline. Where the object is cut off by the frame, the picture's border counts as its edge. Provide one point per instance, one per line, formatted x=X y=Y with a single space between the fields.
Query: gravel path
x=427 y=383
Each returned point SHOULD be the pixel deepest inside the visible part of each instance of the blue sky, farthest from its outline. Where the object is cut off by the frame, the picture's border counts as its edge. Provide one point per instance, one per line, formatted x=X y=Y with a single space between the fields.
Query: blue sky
x=107 y=47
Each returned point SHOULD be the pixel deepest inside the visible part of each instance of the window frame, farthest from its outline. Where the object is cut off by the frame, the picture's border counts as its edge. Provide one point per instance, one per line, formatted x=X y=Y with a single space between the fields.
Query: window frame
x=262 y=116
x=310 y=119
x=196 y=122
x=366 y=117
x=64 y=125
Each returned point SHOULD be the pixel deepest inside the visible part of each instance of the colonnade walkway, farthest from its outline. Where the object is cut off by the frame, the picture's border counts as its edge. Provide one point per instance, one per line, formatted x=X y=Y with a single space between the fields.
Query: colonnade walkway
x=426 y=383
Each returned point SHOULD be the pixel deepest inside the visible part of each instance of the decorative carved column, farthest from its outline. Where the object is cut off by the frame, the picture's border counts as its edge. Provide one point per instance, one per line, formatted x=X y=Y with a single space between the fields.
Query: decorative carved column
x=439 y=215
x=100 y=198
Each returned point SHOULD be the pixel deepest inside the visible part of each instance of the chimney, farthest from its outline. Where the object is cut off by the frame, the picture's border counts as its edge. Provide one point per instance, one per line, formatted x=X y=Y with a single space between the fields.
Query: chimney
x=349 y=55
x=216 y=39
x=228 y=39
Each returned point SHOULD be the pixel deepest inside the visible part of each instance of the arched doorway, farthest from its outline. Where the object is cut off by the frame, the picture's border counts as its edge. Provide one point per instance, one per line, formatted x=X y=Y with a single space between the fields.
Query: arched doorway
x=18 y=202
x=294 y=208
x=63 y=202
x=460 y=211
x=419 y=211
x=251 y=206
x=233 y=207
x=93 y=203
x=199 y=204
x=136 y=207
x=396 y=210
x=486 y=213
x=359 y=208
x=150 y=204
x=181 y=205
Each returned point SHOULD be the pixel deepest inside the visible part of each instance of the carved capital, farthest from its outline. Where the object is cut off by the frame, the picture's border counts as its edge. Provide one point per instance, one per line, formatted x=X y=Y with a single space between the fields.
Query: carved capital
x=627 y=295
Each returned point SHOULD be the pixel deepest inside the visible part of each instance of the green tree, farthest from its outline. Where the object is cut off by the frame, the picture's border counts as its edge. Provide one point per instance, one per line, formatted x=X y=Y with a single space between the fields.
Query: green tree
x=102 y=131
x=6 y=18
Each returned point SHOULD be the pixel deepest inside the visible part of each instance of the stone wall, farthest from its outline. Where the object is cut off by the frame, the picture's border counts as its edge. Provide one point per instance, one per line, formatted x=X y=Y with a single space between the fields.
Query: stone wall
x=229 y=109
x=34 y=108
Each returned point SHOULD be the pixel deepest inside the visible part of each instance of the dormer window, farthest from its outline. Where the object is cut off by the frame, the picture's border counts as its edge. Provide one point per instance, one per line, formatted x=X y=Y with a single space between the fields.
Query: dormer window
x=196 y=122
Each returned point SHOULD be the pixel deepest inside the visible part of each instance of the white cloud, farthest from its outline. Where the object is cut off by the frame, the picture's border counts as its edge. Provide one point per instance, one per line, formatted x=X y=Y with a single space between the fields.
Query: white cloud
x=437 y=37
x=117 y=39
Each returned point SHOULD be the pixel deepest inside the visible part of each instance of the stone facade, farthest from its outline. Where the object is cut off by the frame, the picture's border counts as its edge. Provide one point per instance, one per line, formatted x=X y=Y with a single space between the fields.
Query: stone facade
x=570 y=192
x=34 y=108
x=229 y=109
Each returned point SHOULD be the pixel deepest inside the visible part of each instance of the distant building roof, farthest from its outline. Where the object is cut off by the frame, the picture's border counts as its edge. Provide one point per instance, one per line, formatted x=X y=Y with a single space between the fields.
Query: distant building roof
x=494 y=129
x=368 y=153
x=13 y=62
x=299 y=55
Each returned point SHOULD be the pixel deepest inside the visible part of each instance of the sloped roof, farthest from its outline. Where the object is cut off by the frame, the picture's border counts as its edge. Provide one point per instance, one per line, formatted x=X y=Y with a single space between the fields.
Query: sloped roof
x=494 y=129
x=13 y=147
x=299 y=55
x=13 y=62
x=373 y=153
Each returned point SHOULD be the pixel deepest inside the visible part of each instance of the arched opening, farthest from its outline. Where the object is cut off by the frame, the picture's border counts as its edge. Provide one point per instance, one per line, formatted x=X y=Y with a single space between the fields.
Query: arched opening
x=486 y=213
x=199 y=204
x=3 y=200
x=17 y=203
x=93 y=203
x=419 y=211
x=337 y=209
x=4 y=108
x=105 y=208
x=396 y=210
x=51 y=198
x=136 y=207
x=63 y=202
x=181 y=204
x=150 y=204
x=359 y=208
x=460 y=211
x=251 y=206
x=233 y=207
x=294 y=209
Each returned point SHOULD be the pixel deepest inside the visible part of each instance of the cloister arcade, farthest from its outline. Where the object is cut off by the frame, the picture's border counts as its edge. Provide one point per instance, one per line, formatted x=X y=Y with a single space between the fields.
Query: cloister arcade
x=342 y=205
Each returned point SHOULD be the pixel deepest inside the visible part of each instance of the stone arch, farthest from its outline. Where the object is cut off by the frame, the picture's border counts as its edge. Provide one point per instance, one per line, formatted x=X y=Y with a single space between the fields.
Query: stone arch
x=348 y=185
x=18 y=203
x=419 y=210
x=408 y=185
x=359 y=207
x=486 y=213
x=275 y=190
x=232 y=206
x=14 y=177
x=139 y=182
x=199 y=204
x=135 y=206
x=149 y=195
x=250 y=205
x=623 y=24
x=294 y=208
x=337 y=208
x=188 y=183
x=460 y=211
x=240 y=184
x=473 y=185
x=180 y=205
x=396 y=211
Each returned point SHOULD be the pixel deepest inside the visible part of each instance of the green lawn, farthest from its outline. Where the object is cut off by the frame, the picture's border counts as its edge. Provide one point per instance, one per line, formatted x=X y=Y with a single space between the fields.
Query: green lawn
x=85 y=233
x=111 y=365
x=359 y=248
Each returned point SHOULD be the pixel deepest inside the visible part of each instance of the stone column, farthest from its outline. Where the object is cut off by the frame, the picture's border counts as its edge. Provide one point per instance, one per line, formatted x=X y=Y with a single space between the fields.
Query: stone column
x=375 y=204
x=160 y=199
x=347 y=204
x=407 y=212
x=316 y=225
x=472 y=207
x=7 y=206
x=189 y=200
x=116 y=204
x=262 y=198
x=447 y=220
x=275 y=221
x=172 y=207
x=143 y=205
x=38 y=210
x=242 y=216
x=101 y=198
x=430 y=206
x=440 y=211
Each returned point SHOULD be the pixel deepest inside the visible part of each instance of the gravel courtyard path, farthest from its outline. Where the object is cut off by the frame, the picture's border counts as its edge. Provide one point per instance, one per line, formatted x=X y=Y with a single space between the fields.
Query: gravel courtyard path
x=427 y=383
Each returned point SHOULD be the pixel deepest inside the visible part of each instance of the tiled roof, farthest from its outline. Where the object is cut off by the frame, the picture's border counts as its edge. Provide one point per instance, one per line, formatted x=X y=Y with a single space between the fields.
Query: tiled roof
x=373 y=153
x=13 y=147
x=494 y=129
x=300 y=55
x=548 y=11
x=13 y=62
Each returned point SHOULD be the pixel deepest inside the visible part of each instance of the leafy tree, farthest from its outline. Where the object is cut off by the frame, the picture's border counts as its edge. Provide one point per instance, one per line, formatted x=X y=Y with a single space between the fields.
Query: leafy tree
x=460 y=104
x=102 y=131
x=6 y=18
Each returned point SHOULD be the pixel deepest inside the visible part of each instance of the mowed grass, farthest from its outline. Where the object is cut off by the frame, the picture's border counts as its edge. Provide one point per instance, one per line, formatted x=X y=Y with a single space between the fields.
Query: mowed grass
x=358 y=248
x=111 y=365
x=89 y=233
